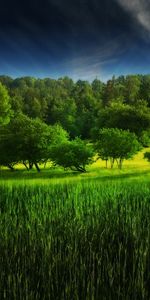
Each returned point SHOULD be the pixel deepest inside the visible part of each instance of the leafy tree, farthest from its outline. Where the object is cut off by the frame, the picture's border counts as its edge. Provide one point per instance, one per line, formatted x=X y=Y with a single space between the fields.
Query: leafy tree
x=145 y=138
x=132 y=88
x=116 y=144
x=38 y=139
x=5 y=107
x=126 y=117
x=81 y=106
x=145 y=88
x=6 y=81
x=17 y=101
x=64 y=112
x=67 y=83
x=73 y=154
x=30 y=141
x=8 y=154
x=98 y=89
x=87 y=107
x=58 y=134
x=109 y=92
x=34 y=106
x=147 y=156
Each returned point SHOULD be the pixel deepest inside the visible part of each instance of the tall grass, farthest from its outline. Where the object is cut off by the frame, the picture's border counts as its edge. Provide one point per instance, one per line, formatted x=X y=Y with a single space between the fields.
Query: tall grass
x=75 y=241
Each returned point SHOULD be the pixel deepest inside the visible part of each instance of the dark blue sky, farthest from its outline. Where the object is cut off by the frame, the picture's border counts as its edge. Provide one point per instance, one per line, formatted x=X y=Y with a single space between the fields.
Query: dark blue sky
x=79 y=38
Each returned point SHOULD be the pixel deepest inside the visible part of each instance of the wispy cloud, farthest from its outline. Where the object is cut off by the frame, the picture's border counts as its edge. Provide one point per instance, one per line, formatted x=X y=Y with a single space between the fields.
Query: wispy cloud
x=140 y=11
x=91 y=63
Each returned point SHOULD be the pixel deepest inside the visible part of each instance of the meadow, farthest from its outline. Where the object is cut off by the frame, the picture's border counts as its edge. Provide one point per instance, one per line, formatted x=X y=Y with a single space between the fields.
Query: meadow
x=76 y=236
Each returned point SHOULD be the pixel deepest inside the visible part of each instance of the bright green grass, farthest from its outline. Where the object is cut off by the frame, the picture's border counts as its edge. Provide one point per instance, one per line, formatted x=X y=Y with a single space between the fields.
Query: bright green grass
x=77 y=240
x=137 y=168
x=71 y=236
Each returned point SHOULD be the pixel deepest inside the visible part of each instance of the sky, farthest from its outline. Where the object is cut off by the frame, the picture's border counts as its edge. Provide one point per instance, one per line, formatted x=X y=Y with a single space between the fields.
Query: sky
x=82 y=39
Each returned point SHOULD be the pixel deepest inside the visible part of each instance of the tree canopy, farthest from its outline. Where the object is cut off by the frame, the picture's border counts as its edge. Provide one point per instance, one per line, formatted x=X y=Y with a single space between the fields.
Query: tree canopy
x=5 y=107
x=79 y=106
x=29 y=141
x=38 y=114
x=75 y=154
x=116 y=144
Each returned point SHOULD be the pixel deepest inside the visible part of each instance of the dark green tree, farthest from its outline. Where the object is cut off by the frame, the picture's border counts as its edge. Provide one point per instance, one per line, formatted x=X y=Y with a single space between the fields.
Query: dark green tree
x=132 y=88
x=8 y=154
x=5 y=107
x=74 y=155
x=126 y=117
x=29 y=141
x=147 y=156
x=116 y=144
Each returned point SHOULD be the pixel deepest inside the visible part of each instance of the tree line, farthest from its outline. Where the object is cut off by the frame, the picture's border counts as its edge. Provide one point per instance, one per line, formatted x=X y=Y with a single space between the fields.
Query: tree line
x=47 y=119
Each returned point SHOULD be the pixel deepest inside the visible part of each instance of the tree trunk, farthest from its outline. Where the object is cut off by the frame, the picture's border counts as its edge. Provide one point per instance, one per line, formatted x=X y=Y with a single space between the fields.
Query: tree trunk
x=10 y=167
x=25 y=166
x=78 y=168
x=117 y=162
x=120 y=163
x=81 y=169
x=45 y=163
x=106 y=163
x=37 y=167
x=112 y=162
x=30 y=165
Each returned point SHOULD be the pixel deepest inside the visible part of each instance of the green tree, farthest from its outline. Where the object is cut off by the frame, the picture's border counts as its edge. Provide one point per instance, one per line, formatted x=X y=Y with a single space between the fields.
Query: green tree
x=8 y=154
x=98 y=88
x=147 y=156
x=132 y=88
x=109 y=92
x=145 y=88
x=6 y=81
x=30 y=141
x=73 y=154
x=126 y=117
x=64 y=112
x=87 y=107
x=5 y=107
x=116 y=144
x=145 y=138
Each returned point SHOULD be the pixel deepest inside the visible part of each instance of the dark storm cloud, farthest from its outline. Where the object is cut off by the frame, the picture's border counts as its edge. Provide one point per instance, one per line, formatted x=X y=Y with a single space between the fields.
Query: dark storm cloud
x=81 y=38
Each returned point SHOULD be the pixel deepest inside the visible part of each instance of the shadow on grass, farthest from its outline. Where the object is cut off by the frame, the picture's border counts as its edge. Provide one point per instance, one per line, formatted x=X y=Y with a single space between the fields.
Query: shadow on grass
x=61 y=174
x=44 y=174
x=123 y=176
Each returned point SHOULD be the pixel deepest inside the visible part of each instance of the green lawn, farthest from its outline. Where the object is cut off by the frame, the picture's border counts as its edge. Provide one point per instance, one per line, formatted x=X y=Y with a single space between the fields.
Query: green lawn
x=137 y=168
x=74 y=236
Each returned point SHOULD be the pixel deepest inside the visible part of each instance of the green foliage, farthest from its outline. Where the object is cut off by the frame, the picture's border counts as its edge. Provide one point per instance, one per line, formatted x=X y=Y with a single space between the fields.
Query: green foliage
x=145 y=88
x=126 y=117
x=147 y=156
x=73 y=154
x=132 y=88
x=64 y=112
x=8 y=154
x=116 y=144
x=145 y=138
x=29 y=140
x=81 y=108
x=5 y=108
x=78 y=106
x=98 y=87
x=58 y=135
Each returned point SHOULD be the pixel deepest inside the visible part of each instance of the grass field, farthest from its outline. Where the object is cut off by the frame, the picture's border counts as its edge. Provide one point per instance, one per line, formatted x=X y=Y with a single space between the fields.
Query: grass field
x=136 y=168
x=76 y=236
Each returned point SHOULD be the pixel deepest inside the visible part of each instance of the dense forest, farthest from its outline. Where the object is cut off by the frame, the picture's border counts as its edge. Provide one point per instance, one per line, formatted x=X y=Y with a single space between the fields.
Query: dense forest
x=31 y=106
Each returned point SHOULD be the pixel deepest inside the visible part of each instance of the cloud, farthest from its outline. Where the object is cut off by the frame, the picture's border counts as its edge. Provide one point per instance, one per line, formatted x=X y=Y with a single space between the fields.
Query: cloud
x=140 y=11
x=91 y=63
